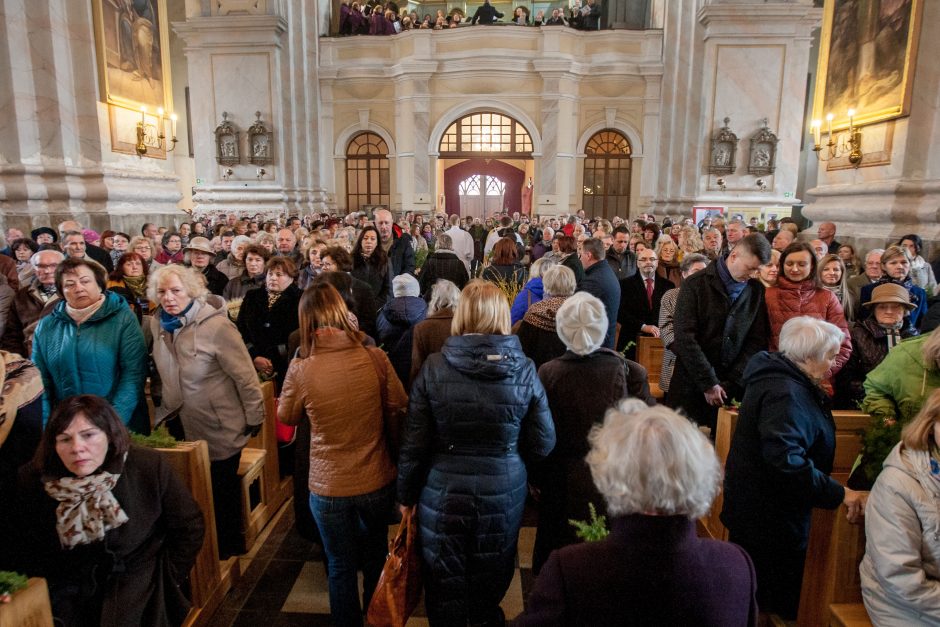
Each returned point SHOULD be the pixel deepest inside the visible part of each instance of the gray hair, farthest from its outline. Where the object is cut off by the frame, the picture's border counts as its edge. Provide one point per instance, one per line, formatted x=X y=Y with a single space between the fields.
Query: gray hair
x=194 y=282
x=558 y=281
x=539 y=266
x=444 y=295
x=691 y=259
x=34 y=260
x=874 y=251
x=651 y=459
x=805 y=338
x=405 y=285
x=594 y=246
x=444 y=242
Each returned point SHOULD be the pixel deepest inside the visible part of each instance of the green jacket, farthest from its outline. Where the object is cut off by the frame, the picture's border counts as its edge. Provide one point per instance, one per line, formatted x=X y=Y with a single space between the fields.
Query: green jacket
x=898 y=386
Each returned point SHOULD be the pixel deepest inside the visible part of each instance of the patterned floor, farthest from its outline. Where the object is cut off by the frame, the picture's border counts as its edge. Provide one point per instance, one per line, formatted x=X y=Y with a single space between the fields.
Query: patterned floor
x=284 y=581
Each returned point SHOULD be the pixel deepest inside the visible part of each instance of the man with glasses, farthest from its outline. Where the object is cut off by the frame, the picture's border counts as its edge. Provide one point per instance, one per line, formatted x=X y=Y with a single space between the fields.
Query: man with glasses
x=31 y=302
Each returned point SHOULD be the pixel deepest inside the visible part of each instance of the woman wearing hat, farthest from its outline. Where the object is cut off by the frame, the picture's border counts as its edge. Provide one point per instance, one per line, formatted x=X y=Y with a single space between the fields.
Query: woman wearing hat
x=872 y=338
x=896 y=265
x=201 y=254
x=44 y=235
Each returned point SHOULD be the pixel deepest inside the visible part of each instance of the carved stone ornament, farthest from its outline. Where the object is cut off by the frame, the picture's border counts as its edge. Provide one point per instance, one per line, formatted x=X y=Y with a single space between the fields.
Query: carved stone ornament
x=724 y=147
x=763 y=156
x=226 y=142
x=260 y=142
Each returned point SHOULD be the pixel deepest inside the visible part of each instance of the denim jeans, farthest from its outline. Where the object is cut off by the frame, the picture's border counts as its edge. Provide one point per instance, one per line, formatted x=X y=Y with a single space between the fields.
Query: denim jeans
x=354 y=530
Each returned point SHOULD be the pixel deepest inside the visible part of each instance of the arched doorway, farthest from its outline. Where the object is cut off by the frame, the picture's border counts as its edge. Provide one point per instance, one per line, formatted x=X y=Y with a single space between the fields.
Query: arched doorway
x=607 y=171
x=484 y=157
x=367 y=172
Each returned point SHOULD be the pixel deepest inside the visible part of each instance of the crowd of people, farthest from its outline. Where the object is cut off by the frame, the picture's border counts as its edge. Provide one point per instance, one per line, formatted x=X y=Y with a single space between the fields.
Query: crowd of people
x=376 y=18
x=439 y=364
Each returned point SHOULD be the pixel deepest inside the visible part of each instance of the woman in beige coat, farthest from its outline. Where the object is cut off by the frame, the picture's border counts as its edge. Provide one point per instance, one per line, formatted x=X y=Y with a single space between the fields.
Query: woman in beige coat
x=209 y=381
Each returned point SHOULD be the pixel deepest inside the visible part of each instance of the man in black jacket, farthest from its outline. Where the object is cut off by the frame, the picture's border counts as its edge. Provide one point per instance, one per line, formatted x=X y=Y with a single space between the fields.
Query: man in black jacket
x=401 y=254
x=619 y=257
x=95 y=253
x=486 y=14
x=720 y=323
x=640 y=298
x=601 y=282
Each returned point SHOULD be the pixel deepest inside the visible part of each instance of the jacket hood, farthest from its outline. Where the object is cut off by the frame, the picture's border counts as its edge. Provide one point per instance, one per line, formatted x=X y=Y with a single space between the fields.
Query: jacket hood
x=112 y=304
x=897 y=460
x=489 y=357
x=535 y=286
x=773 y=366
x=406 y=310
x=214 y=306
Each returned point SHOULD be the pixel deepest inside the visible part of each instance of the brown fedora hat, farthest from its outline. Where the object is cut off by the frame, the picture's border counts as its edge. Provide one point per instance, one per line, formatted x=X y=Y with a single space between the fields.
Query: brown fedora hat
x=890 y=293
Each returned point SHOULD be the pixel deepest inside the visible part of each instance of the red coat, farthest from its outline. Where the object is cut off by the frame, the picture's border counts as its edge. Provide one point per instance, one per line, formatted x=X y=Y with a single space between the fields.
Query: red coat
x=788 y=299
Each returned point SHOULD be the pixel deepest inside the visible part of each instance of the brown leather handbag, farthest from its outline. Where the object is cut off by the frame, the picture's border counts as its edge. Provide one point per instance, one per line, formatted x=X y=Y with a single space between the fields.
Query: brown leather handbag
x=399 y=588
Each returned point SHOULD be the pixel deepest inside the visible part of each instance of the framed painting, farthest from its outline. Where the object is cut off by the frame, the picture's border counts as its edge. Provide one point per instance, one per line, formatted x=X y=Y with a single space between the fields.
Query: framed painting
x=123 y=125
x=132 y=42
x=867 y=57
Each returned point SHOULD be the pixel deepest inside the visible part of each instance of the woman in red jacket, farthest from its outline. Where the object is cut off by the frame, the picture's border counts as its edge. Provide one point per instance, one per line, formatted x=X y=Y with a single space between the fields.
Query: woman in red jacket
x=798 y=292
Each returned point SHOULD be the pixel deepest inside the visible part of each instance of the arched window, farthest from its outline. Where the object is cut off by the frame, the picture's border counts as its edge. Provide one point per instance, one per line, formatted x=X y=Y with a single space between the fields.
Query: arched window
x=367 y=174
x=607 y=172
x=487 y=133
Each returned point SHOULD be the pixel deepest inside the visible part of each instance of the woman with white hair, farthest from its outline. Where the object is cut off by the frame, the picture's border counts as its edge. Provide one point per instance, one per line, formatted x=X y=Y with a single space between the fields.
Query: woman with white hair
x=431 y=333
x=564 y=484
x=658 y=474
x=396 y=320
x=208 y=381
x=781 y=456
x=537 y=333
x=234 y=264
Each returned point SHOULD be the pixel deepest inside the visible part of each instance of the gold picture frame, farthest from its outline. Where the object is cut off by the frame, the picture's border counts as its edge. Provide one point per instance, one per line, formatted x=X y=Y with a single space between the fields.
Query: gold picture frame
x=866 y=61
x=132 y=46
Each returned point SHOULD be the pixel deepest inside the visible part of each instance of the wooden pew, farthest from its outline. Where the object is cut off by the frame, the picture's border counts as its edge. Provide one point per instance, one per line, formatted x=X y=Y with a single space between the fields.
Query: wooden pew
x=276 y=490
x=29 y=607
x=727 y=421
x=209 y=579
x=649 y=354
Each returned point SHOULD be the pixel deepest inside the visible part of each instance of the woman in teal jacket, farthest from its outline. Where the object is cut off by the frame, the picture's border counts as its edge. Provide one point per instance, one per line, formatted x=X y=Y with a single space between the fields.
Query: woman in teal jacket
x=91 y=343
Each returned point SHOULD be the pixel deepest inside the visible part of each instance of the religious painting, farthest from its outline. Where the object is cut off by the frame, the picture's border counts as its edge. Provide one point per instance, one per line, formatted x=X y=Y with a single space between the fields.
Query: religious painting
x=133 y=48
x=700 y=213
x=867 y=59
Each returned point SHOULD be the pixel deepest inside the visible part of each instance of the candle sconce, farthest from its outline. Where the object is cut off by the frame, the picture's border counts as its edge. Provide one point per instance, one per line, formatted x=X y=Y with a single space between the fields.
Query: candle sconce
x=851 y=146
x=157 y=136
x=721 y=184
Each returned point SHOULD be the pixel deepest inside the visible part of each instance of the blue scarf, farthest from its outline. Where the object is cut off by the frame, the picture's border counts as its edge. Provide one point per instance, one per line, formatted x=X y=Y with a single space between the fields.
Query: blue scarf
x=734 y=288
x=171 y=323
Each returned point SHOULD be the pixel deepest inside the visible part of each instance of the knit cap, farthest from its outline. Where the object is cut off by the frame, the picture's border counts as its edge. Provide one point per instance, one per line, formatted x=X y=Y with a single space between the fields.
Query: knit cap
x=581 y=323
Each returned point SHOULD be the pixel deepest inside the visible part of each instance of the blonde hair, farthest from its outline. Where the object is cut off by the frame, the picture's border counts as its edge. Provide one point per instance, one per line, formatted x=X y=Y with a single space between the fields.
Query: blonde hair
x=918 y=434
x=692 y=238
x=482 y=309
x=193 y=282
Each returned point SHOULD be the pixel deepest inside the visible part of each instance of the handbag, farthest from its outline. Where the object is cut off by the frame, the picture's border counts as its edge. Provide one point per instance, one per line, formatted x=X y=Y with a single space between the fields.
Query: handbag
x=399 y=588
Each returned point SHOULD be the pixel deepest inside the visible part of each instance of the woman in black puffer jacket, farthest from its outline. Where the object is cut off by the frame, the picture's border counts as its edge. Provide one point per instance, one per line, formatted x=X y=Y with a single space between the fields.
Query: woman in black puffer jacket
x=477 y=416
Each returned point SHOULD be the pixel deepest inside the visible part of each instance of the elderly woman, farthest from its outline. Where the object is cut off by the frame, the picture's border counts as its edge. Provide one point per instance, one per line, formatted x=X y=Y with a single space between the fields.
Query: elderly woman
x=252 y=277
x=208 y=382
x=444 y=264
x=267 y=241
x=313 y=264
x=477 y=410
x=352 y=473
x=537 y=333
x=872 y=338
x=668 y=254
x=658 y=474
x=372 y=265
x=396 y=320
x=900 y=573
x=689 y=241
x=92 y=343
x=832 y=276
x=129 y=279
x=430 y=334
x=144 y=247
x=921 y=273
x=532 y=292
x=268 y=316
x=562 y=480
x=896 y=265
x=109 y=525
x=172 y=249
x=781 y=456
x=691 y=263
x=23 y=249
x=234 y=264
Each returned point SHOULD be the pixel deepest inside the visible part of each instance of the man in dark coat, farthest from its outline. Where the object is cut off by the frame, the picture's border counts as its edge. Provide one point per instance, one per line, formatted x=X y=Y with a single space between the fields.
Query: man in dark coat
x=485 y=14
x=720 y=322
x=619 y=257
x=29 y=303
x=401 y=254
x=396 y=321
x=94 y=252
x=443 y=263
x=640 y=298
x=601 y=282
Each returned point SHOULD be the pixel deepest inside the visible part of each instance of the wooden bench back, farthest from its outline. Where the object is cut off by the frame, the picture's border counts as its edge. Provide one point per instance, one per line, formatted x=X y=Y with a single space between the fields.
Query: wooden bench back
x=649 y=354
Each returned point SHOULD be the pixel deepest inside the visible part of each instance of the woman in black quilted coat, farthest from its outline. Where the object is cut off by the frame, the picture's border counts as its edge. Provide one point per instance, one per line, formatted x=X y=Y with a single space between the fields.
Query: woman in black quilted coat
x=477 y=416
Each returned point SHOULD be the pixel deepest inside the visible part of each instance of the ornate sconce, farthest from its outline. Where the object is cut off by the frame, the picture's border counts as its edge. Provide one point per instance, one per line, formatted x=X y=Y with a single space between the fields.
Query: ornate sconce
x=852 y=146
x=724 y=147
x=763 y=156
x=160 y=134
x=260 y=142
x=226 y=142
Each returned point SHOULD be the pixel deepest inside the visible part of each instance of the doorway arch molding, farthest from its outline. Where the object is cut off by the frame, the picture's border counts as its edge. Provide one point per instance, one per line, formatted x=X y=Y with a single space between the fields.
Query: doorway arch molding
x=484 y=106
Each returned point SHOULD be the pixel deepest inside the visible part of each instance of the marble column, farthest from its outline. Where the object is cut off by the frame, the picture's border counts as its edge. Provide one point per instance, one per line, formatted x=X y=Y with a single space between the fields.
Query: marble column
x=896 y=188
x=55 y=159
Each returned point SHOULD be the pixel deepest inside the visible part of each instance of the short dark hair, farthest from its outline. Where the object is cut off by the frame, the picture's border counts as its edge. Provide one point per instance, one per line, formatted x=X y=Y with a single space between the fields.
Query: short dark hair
x=918 y=241
x=690 y=259
x=143 y=229
x=118 y=273
x=71 y=264
x=100 y=413
x=757 y=245
x=595 y=247
x=340 y=256
x=620 y=229
x=24 y=241
x=228 y=233
x=256 y=249
x=284 y=263
x=343 y=284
